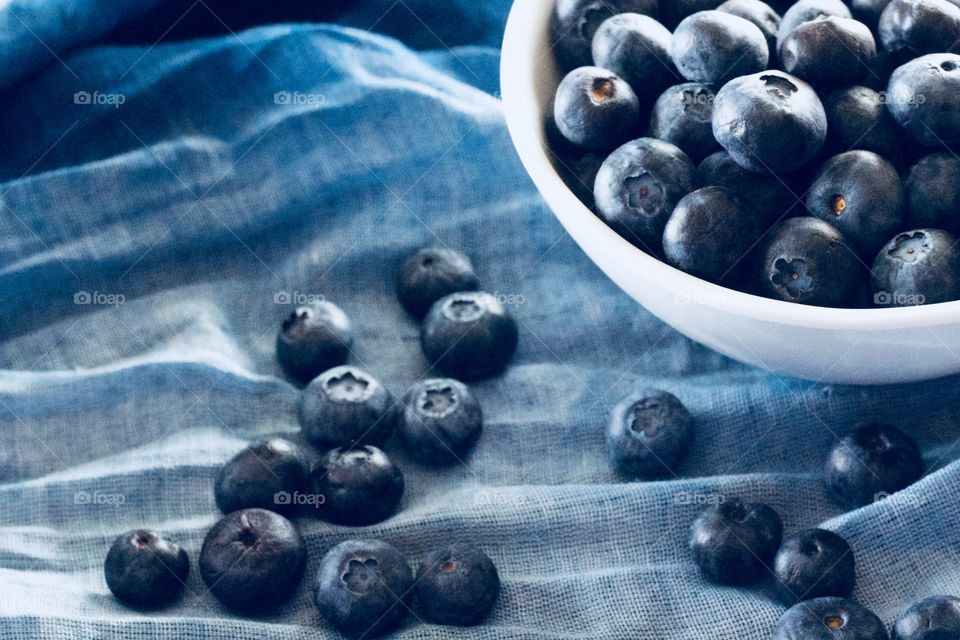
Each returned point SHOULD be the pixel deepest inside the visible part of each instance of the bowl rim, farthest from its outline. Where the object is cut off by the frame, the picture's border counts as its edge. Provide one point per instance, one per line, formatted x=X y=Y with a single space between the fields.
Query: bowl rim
x=520 y=59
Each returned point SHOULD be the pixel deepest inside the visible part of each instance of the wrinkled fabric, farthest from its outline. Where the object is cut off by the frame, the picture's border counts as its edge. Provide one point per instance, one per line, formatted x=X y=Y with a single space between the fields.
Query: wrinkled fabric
x=153 y=237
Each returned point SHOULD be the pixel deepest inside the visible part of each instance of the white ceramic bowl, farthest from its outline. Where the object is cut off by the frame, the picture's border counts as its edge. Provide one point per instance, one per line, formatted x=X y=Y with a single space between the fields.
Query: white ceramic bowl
x=858 y=346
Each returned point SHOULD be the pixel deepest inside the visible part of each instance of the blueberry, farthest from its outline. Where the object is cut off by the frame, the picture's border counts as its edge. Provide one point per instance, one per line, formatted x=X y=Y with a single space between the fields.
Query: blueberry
x=579 y=173
x=431 y=273
x=759 y=13
x=595 y=109
x=868 y=11
x=672 y=12
x=813 y=564
x=638 y=186
x=252 y=560
x=456 y=585
x=933 y=192
x=441 y=420
x=922 y=97
x=769 y=196
x=313 y=339
x=574 y=23
x=828 y=51
x=649 y=433
x=857 y=118
x=710 y=234
x=807 y=10
x=871 y=463
x=933 y=618
x=636 y=48
x=714 y=47
x=829 y=619
x=346 y=406
x=682 y=117
x=917 y=267
x=734 y=541
x=805 y=260
x=859 y=193
x=920 y=27
x=260 y=474
x=469 y=335
x=363 y=587
x=360 y=486
x=145 y=569
x=769 y=122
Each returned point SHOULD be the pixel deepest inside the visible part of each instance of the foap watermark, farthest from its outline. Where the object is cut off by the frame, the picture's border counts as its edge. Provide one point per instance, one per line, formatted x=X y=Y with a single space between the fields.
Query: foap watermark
x=701 y=499
x=897 y=299
x=97 y=98
x=298 y=499
x=900 y=498
x=686 y=297
x=510 y=299
x=99 y=298
x=298 y=298
x=297 y=98
x=99 y=498
x=909 y=99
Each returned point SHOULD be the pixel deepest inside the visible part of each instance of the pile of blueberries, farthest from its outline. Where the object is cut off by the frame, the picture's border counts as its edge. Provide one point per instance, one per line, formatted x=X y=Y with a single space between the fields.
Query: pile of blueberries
x=806 y=158
x=254 y=558
x=736 y=542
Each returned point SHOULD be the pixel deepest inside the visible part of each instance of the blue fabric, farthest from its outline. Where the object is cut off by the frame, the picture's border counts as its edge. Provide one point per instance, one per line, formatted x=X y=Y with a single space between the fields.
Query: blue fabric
x=149 y=249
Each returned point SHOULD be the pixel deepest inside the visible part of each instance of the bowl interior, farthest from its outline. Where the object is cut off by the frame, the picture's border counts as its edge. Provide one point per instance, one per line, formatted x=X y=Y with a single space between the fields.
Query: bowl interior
x=529 y=78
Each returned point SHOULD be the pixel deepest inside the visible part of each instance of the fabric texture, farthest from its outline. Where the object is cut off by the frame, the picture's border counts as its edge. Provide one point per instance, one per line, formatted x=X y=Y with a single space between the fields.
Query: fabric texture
x=154 y=234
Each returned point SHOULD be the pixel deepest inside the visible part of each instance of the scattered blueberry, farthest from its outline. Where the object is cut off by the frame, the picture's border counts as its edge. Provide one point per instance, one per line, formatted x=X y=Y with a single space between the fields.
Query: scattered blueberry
x=363 y=587
x=595 y=109
x=313 y=339
x=814 y=563
x=769 y=196
x=682 y=116
x=456 y=585
x=252 y=560
x=933 y=618
x=805 y=260
x=145 y=569
x=922 y=97
x=441 y=420
x=346 y=406
x=714 y=47
x=828 y=51
x=857 y=118
x=933 y=193
x=759 y=13
x=859 y=193
x=734 y=541
x=829 y=619
x=871 y=463
x=769 y=121
x=260 y=475
x=574 y=23
x=638 y=186
x=920 y=27
x=469 y=335
x=807 y=10
x=360 y=486
x=636 y=48
x=649 y=433
x=711 y=234
x=917 y=267
x=431 y=273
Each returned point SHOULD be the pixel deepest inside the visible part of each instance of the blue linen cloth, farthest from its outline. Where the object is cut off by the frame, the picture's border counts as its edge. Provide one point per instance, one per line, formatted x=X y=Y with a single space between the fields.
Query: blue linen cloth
x=154 y=233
